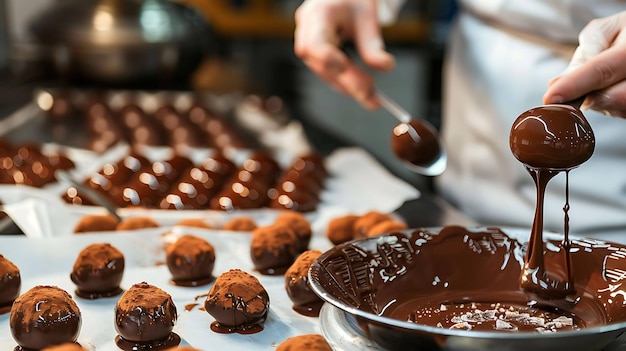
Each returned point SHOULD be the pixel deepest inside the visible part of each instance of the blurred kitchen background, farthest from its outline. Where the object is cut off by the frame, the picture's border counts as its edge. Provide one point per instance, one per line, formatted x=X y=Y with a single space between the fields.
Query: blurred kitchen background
x=218 y=46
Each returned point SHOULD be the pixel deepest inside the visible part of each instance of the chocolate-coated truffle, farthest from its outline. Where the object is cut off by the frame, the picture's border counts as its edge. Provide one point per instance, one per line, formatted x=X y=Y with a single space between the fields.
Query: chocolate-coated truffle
x=68 y=346
x=385 y=227
x=308 y=342
x=341 y=229
x=44 y=316
x=300 y=226
x=139 y=222
x=10 y=283
x=240 y=224
x=367 y=221
x=273 y=249
x=98 y=271
x=238 y=302
x=305 y=301
x=190 y=260
x=96 y=223
x=194 y=222
x=144 y=319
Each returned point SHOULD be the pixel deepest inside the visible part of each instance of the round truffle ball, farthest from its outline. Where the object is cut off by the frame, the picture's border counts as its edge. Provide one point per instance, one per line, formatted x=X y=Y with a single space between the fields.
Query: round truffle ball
x=10 y=284
x=273 y=249
x=305 y=301
x=385 y=227
x=238 y=302
x=190 y=260
x=367 y=221
x=241 y=224
x=341 y=229
x=135 y=223
x=96 y=223
x=194 y=222
x=68 y=346
x=44 y=316
x=308 y=342
x=144 y=318
x=98 y=271
x=300 y=226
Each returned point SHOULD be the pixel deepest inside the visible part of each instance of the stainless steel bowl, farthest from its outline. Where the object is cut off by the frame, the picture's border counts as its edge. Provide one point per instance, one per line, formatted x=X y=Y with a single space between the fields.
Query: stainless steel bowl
x=122 y=42
x=349 y=278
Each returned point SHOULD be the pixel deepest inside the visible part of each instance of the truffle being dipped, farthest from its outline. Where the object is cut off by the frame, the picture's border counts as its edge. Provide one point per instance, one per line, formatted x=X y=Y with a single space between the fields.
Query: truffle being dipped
x=547 y=140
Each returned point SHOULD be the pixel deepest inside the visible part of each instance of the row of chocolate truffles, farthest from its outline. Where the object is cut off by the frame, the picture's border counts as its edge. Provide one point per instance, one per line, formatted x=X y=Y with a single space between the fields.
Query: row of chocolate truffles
x=216 y=183
x=30 y=164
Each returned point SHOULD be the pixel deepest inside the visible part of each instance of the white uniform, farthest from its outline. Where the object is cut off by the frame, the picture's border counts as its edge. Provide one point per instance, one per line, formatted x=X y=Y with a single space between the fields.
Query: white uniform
x=502 y=53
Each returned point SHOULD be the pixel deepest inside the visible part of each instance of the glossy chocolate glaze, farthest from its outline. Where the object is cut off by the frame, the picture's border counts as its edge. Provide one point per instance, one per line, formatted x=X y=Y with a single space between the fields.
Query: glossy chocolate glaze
x=305 y=301
x=98 y=271
x=10 y=284
x=552 y=137
x=44 y=316
x=144 y=318
x=415 y=143
x=238 y=302
x=190 y=260
x=549 y=139
x=401 y=276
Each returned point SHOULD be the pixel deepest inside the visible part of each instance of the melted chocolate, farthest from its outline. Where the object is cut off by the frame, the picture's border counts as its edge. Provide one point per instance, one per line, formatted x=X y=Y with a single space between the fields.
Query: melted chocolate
x=415 y=143
x=405 y=276
x=98 y=271
x=549 y=139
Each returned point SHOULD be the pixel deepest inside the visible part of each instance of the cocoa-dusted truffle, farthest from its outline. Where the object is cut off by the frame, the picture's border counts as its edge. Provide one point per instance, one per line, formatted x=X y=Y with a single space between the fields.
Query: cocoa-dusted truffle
x=367 y=221
x=385 y=227
x=194 y=222
x=134 y=223
x=98 y=271
x=182 y=348
x=238 y=302
x=300 y=226
x=341 y=229
x=144 y=319
x=190 y=260
x=68 y=346
x=96 y=223
x=273 y=249
x=241 y=224
x=44 y=316
x=307 y=342
x=10 y=283
x=305 y=301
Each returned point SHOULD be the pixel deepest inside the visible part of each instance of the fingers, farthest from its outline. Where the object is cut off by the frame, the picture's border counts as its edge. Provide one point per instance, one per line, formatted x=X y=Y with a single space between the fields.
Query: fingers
x=321 y=26
x=610 y=101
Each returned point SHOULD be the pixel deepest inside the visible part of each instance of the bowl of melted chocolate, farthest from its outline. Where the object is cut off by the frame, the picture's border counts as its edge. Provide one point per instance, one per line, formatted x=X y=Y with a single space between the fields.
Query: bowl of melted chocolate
x=457 y=288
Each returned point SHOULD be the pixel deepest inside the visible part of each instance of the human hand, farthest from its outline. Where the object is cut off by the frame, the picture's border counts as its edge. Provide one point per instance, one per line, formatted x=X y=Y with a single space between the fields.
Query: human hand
x=321 y=28
x=597 y=68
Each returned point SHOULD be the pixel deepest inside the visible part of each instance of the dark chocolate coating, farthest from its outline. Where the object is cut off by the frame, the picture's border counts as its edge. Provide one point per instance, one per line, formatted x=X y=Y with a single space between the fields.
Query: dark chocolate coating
x=44 y=316
x=552 y=137
x=10 y=283
x=238 y=195
x=144 y=314
x=220 y=166
x=415 y=143
x=190 y=260
x=238 y=302
x=296 y=200
x=263 y=167
x=98 y=271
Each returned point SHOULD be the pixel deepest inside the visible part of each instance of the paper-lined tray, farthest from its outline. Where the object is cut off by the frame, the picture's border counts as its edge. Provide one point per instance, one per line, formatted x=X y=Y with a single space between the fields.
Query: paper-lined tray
x=49 y=261
x=357 y=184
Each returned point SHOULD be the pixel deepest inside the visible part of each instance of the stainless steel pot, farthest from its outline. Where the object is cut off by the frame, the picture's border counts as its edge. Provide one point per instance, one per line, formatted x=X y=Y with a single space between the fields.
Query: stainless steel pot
x=122 y=42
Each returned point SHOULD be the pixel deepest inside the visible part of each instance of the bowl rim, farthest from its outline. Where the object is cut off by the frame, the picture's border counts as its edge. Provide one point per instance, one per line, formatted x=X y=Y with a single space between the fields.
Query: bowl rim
x=514 y=233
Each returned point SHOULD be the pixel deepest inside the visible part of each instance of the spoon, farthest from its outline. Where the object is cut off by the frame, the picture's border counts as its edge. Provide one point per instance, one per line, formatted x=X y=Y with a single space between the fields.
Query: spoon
x=415 y=141
x=88 y=193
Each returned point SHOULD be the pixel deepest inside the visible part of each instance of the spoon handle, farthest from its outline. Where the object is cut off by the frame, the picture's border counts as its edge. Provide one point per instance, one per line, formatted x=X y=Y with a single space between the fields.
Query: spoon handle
x=396 y=110
x=576 y=103
x=88 y=192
